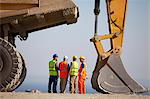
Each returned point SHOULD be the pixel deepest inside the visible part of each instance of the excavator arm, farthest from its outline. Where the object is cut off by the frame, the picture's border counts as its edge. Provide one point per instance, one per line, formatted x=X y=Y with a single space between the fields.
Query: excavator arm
x=116 y=12
x=109 y=75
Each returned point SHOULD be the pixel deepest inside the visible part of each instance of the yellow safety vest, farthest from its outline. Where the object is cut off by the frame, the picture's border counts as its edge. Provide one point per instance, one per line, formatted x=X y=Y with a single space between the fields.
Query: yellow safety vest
x=52 y=68
x=74 y=69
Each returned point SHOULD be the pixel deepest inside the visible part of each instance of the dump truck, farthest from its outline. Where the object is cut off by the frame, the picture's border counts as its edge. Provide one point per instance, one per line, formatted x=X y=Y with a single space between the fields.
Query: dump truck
x=21 y=17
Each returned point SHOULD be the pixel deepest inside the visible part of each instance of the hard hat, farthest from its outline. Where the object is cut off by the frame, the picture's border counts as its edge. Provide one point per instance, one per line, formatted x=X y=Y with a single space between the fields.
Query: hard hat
x=55 y=55
x=75 y=57
x=65 y=57
x=82 y=57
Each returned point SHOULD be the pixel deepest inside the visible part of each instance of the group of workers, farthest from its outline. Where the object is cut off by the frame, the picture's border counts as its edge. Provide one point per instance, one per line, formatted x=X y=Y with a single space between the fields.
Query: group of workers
x=64 y=70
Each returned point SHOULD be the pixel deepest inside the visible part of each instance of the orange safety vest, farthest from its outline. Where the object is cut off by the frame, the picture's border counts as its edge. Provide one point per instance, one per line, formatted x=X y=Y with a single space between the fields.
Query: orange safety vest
x=82 y=72
x=64 y=69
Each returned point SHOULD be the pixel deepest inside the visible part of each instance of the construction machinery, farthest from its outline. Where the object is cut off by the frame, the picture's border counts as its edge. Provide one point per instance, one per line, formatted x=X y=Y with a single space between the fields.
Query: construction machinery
x=109 y=75
x=21 y=17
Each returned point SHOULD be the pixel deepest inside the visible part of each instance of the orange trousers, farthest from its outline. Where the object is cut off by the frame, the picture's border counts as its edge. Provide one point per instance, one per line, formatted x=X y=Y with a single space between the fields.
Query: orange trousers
x=81 y=86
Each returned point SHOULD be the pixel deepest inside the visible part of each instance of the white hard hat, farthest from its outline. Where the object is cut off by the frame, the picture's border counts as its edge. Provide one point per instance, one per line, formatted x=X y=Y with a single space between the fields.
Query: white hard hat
x=65 y=57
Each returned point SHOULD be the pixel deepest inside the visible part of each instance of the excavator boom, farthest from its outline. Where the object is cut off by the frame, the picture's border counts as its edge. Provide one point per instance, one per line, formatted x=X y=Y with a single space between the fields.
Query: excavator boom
x=109 y=75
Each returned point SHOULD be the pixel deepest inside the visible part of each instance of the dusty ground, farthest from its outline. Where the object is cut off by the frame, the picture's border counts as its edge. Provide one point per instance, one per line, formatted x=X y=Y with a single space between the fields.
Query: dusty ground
x=68 y=96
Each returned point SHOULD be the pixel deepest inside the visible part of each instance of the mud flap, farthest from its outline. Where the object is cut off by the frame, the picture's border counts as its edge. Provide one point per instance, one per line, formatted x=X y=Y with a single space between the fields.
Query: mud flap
x=110 y=76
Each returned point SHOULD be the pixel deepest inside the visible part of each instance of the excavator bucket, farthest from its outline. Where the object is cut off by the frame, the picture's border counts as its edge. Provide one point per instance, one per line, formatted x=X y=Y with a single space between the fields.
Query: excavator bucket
x=110 y=76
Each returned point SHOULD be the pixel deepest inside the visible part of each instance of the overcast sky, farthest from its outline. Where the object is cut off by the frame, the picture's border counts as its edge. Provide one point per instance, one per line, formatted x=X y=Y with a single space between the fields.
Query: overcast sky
x=74 y=40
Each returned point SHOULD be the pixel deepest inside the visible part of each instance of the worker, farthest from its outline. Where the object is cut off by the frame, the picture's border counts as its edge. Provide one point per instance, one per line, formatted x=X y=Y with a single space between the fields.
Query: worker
x=53 y=74
x=74 y=66
x=64 y=71
x=82 y=74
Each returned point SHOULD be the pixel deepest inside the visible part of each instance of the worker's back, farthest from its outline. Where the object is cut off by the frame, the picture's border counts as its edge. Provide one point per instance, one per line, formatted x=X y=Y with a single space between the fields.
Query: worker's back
x=64 y=69
x=74 y=68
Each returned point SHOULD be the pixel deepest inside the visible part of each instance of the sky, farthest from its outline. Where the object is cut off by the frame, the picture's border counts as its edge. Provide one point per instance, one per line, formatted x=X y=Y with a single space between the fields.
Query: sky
x=75 y=40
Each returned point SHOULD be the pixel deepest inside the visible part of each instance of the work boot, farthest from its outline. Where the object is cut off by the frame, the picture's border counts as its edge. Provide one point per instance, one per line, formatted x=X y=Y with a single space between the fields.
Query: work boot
x=49 y=91
x=54 y=91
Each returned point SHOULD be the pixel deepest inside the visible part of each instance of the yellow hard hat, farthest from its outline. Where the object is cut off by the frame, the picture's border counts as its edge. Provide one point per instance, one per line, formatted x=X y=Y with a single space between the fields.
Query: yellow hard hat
x=82 y=57
x=75 y=57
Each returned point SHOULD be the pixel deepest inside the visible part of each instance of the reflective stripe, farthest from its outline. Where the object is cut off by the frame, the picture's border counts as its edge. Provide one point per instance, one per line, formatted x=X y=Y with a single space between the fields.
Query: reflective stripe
x=74 y=68
x=52 y=68
x=65 y=69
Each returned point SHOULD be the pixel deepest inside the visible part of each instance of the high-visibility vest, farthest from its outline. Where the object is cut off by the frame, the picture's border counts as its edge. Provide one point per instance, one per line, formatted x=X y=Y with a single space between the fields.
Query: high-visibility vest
x=52 y=68
x=74 y=68
x=82 y=73
x=64 y=69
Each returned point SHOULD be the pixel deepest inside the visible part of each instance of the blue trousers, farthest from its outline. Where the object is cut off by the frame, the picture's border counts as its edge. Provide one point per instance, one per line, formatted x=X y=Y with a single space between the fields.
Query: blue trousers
x=52 y=81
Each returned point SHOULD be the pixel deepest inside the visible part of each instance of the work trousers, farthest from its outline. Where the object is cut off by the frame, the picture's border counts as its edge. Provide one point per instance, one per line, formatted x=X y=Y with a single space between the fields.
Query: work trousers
x=73 y=84
x=53 y=80
x=81 y=86
x=63 y=83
